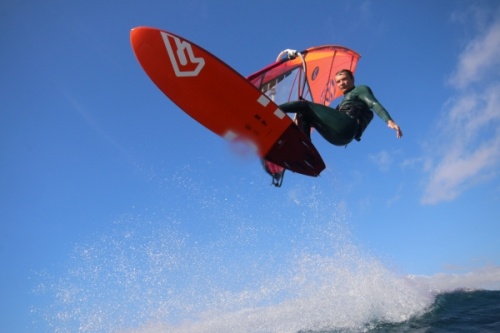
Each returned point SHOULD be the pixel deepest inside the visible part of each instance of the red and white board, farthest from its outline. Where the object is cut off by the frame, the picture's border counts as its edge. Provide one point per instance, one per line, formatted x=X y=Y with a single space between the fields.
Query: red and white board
x=222 y=100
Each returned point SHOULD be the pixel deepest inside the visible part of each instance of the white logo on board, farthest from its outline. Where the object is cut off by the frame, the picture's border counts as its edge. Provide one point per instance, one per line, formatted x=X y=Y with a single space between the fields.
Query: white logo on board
x=181 y=55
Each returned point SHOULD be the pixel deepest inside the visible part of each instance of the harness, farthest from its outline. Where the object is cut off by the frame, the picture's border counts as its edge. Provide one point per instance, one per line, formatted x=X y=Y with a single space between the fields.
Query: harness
x=362 y=115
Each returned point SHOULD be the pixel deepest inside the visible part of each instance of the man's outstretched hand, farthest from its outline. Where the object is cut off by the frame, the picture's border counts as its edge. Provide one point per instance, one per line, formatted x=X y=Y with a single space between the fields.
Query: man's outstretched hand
x=394 y=126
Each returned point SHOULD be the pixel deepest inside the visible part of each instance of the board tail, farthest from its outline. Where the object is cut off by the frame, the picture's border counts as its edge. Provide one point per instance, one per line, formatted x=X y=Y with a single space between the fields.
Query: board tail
x=308 y=163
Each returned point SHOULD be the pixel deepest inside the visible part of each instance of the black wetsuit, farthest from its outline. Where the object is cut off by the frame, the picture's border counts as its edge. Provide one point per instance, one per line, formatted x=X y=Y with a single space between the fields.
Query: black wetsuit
x=338 y=126
x=342 y=124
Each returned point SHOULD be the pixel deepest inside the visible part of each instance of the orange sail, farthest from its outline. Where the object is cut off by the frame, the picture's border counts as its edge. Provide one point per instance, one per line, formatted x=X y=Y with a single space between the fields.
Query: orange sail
x=308 y=74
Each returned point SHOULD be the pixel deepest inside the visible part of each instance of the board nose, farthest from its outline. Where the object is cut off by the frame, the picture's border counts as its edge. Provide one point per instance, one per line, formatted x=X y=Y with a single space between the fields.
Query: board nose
x=137 y=35
x=134 y=36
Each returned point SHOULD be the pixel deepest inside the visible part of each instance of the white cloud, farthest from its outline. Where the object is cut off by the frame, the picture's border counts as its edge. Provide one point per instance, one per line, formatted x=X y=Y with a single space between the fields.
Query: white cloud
x=487 y=278
x=467 y=148
x=383 y=160
x=480 y=56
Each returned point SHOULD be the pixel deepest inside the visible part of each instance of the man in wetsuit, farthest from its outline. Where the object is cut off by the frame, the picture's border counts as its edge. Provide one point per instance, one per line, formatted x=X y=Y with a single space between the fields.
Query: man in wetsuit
x=358 y=103
x=338 y=126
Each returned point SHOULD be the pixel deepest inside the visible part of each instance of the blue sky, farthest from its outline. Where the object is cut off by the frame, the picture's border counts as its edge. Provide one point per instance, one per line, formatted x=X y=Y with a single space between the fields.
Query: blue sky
x=93 y=153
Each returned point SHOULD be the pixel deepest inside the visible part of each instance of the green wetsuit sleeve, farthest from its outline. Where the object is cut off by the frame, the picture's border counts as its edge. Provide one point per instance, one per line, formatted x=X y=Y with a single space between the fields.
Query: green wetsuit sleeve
x=366 y=95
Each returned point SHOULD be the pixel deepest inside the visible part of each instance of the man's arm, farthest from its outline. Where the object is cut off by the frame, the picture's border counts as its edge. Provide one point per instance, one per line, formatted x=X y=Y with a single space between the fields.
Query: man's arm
x=366 y=95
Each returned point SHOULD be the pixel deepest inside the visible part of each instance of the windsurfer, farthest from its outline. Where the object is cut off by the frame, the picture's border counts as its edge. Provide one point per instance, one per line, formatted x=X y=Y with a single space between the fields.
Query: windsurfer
x=348 y=120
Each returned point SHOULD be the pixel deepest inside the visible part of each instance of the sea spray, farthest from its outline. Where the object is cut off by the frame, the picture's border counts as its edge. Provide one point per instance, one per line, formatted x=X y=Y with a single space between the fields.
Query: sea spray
x=125 y=280
x=148 y=276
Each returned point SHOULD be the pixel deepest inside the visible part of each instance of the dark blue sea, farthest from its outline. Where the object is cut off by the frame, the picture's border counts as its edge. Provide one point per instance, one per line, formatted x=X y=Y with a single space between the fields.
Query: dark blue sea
x=452 y=312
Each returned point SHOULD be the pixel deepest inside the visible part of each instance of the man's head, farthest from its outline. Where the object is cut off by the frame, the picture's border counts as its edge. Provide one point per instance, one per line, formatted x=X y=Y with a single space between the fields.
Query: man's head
x=344 y=79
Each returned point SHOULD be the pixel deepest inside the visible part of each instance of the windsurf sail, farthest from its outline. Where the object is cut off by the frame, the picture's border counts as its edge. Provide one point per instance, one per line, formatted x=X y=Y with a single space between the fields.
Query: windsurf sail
x=309 y=74
x=306 y=75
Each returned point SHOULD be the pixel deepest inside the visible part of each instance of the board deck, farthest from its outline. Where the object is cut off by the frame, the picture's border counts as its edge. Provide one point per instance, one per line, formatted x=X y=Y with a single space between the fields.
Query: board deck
x=222 y=100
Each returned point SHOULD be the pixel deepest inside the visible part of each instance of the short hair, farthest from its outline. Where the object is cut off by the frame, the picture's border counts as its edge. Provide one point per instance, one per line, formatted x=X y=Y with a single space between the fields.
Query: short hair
x=347 y=72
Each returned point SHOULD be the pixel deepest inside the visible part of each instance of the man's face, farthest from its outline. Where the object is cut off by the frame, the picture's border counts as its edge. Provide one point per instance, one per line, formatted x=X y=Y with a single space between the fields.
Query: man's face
x=344 y=82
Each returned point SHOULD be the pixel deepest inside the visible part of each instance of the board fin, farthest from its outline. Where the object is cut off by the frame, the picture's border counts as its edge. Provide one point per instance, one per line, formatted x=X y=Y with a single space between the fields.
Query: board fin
x=277 y=172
